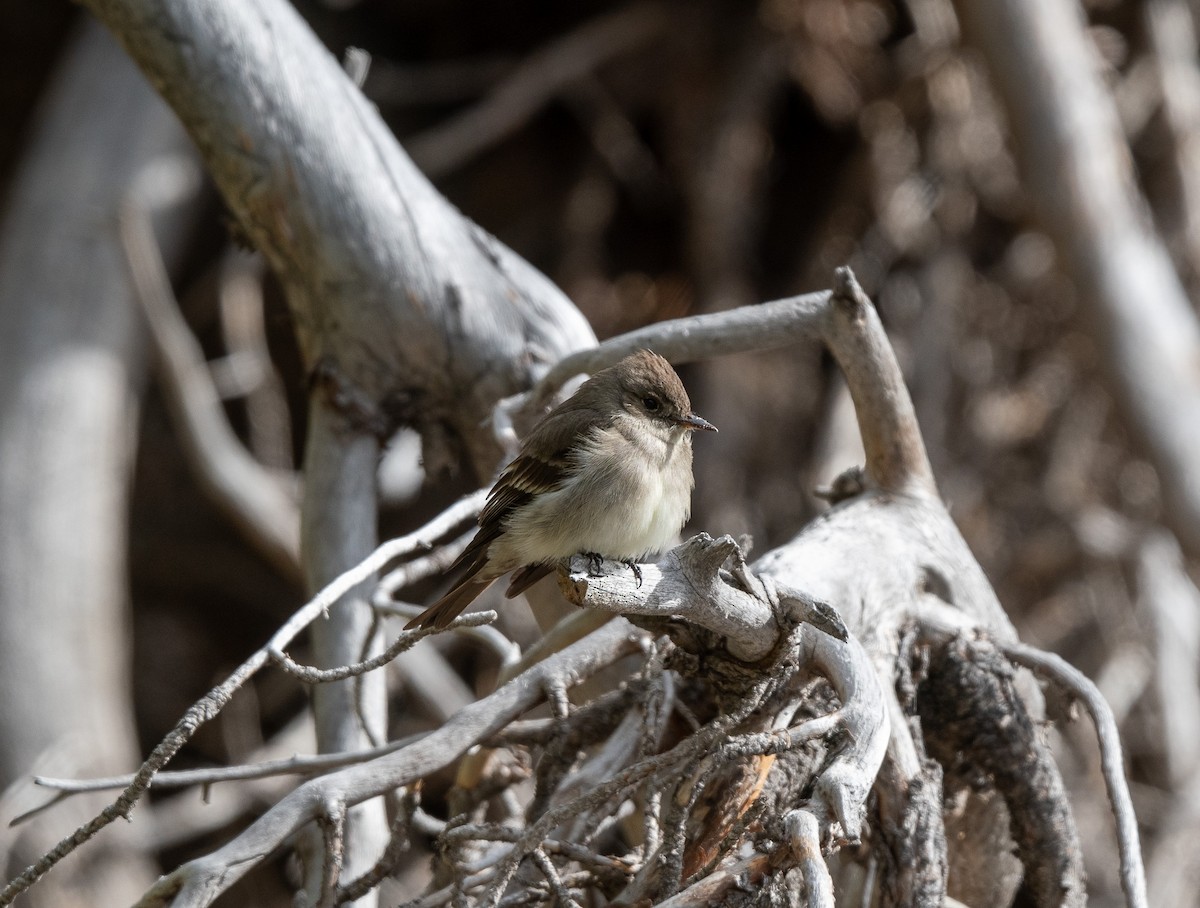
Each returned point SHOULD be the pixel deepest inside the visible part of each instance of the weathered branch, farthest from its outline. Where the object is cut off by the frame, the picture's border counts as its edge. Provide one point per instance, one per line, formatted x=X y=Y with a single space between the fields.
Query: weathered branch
x=338 y=530
x=1057 y=669
x=973 y=721
x=214 y=701
x=200 y=881
x=941 y=623
x=426 y=317
x=843 y=319
x=685 y=582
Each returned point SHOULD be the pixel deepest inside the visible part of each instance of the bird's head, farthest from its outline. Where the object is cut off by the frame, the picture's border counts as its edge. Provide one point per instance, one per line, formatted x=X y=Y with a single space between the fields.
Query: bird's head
x=648 y=387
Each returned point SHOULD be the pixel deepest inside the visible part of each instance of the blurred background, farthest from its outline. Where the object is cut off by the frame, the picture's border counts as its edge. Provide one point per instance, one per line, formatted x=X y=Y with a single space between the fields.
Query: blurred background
x=654 y=161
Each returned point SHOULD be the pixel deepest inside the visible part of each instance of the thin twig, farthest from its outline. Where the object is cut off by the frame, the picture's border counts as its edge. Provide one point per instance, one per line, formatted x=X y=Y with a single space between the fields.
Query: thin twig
x=405 y=641
x=249 y=493
x=214 y=701
x=333 y=828
x=944 y=621
x=506 y=651
x=1054 y=668
x=186 y=778
x=436 y=562
x=548 y=869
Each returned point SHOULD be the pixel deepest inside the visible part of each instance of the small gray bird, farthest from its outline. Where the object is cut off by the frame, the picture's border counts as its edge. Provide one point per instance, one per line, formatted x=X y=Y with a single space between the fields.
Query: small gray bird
x=607 y=472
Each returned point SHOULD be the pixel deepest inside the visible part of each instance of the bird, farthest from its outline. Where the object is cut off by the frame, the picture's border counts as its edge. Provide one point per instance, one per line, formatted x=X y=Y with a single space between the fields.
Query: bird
x=606 y=473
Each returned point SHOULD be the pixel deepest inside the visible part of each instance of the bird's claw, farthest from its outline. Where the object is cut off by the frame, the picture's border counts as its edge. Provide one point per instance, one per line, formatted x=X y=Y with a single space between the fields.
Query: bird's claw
x=637 y=571
x=594 y=563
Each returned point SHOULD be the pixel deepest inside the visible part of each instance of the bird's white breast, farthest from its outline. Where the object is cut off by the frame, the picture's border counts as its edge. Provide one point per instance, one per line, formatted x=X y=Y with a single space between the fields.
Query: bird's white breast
x=629 y=497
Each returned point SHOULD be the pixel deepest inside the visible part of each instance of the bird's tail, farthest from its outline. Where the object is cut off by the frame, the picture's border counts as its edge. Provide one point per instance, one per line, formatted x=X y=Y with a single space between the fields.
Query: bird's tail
x=452 y=604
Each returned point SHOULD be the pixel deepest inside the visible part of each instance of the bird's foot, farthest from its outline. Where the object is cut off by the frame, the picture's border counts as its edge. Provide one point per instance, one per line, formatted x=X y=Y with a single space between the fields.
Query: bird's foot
x=596 y=563
x=636 y=568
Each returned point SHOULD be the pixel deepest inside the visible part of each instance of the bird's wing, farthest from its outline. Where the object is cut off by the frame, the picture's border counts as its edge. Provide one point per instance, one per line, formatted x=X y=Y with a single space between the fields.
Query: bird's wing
x=545 y=463
x=532 y=472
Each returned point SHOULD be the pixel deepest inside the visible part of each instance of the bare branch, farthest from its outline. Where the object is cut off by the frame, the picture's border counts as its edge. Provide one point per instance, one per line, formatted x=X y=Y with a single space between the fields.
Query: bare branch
x=406 y=641
x=714 y=887
x=343 y=229
x=684 y=582
x=714 y=604
x=762 y=327
x=333 y=826
x=312 y=764
x=200 y=881
x=843 y=319
x=946 y=623
x=213 y=702
x=547 y=867
x=805 y=841
x=1054 y=668
x=256 y=501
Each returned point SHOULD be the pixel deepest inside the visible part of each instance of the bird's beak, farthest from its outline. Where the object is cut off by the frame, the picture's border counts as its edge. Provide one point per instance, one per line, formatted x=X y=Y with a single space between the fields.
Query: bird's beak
x=692 y=421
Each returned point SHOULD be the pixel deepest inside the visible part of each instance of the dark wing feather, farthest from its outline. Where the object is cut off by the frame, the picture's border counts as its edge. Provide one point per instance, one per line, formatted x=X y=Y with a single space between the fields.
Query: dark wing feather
x=546 y=461
x=530 y=474
x=475 y=554
x=523 y=479
x=525 y=577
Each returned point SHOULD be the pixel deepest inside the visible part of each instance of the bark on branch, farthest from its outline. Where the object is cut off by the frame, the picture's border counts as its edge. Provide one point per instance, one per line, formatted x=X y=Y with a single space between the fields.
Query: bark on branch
x=424 y=316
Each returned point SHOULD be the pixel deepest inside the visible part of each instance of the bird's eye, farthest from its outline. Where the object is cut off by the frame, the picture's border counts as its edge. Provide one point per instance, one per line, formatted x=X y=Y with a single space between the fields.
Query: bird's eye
x=651 y=403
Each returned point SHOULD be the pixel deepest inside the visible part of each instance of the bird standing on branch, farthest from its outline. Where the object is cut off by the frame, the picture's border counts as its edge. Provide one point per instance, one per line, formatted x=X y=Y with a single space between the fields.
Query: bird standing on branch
x=607 y=473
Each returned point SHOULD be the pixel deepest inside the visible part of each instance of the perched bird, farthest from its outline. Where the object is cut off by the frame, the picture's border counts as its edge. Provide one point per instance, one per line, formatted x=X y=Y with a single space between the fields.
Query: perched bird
x=608 y=473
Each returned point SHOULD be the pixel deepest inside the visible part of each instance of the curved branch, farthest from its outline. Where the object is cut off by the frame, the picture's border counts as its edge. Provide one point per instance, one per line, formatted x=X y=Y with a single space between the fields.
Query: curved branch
x=214 y=701
x=941 y=623
x=681 y=340
x=425 y=315
x=896 y=456
x=972 y=716
x=200 y=881
x=843 y=319
x=1057 y=669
